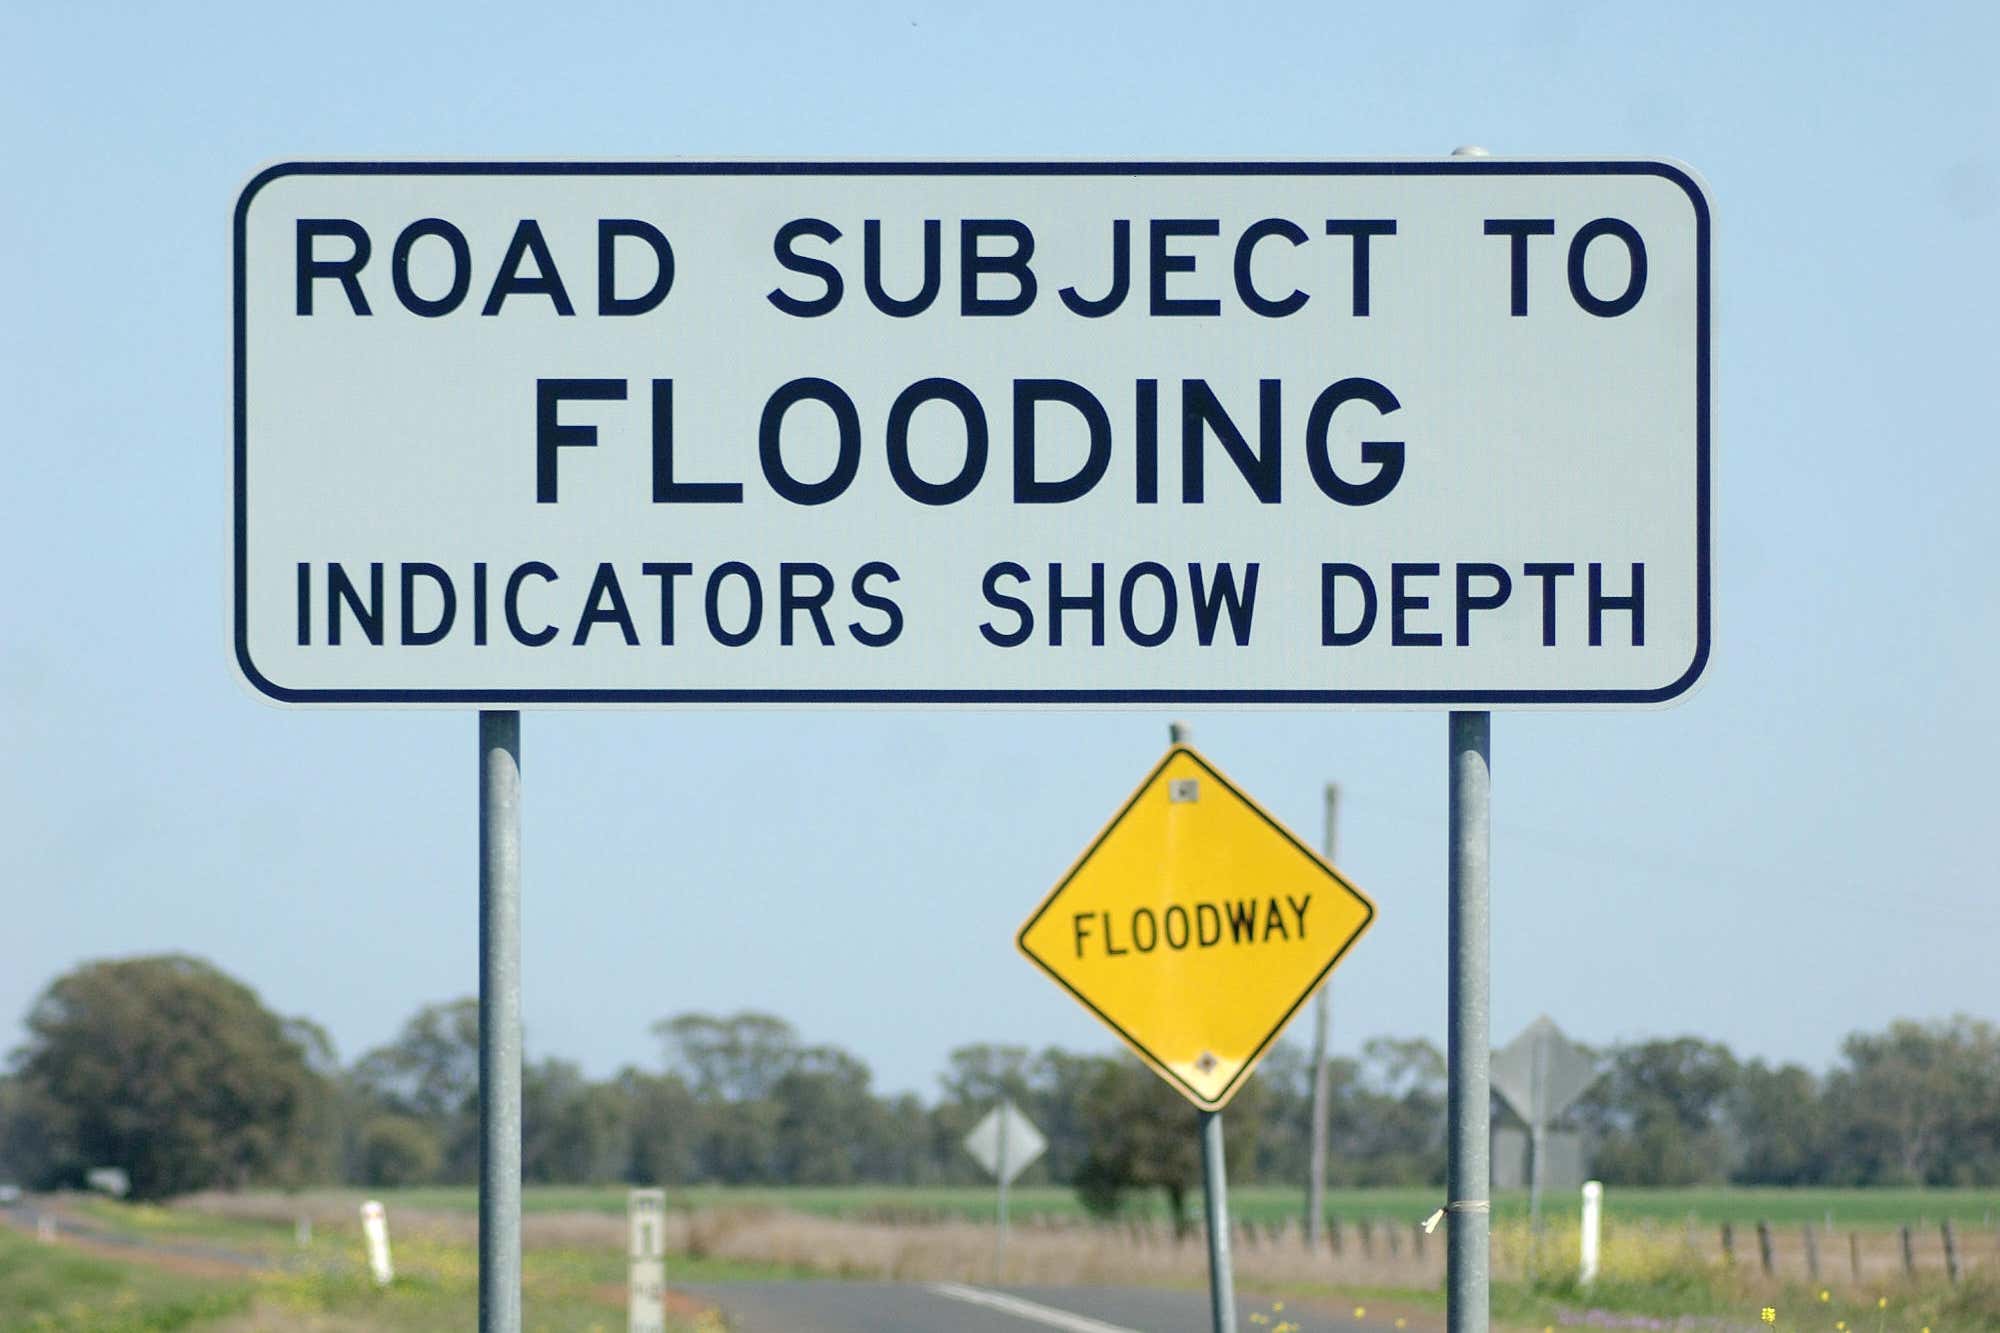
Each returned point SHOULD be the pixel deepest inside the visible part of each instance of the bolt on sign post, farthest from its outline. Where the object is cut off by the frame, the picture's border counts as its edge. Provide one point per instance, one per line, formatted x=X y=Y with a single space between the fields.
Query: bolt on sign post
x=646 y=1250
x=1427 y=433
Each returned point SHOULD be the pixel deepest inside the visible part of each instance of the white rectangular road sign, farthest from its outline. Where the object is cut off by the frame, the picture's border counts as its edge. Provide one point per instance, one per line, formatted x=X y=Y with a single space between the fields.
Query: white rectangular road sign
x=646 y=1244
x=1293 y=433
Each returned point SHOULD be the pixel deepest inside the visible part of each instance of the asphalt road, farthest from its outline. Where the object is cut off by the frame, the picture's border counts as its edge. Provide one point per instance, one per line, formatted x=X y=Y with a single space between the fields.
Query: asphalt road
x=28 y=1212
x=943 y=1307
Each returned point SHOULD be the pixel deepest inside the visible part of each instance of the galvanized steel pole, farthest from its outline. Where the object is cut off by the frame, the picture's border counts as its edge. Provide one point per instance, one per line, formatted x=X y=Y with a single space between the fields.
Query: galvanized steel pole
x=1000 y=1232
x=499 y=1022
x=1467 y=1170
x=1214 y=1187
x=1215 y=1207
x=1322 y=1076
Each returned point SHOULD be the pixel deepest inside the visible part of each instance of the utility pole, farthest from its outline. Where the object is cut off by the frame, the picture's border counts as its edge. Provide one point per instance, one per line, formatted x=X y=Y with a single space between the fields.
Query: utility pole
x=1322 y=1093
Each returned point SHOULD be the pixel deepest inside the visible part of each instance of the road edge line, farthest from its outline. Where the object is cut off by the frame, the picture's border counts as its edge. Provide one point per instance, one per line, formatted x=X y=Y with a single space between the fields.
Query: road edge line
x=1047 y=1315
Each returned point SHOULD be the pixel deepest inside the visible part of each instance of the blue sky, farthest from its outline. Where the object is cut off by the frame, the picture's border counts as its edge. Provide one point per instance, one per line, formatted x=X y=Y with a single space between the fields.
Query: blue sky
x=1801 y=849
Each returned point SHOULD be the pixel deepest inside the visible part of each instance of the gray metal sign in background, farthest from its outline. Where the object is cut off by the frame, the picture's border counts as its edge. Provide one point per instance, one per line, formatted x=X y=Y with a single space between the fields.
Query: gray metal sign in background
x=1541 y=1073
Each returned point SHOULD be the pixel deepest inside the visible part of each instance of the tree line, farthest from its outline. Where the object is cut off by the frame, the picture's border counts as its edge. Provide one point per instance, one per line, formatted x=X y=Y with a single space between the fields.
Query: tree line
x=177 y=1072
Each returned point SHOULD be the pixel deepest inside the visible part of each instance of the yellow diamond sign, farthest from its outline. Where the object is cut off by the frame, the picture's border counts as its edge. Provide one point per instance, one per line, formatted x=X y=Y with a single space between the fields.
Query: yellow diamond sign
x=1195 y=926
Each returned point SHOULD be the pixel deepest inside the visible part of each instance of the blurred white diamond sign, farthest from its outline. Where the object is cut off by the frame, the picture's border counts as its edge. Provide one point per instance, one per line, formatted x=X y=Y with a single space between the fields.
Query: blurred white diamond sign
x=1006 y=1142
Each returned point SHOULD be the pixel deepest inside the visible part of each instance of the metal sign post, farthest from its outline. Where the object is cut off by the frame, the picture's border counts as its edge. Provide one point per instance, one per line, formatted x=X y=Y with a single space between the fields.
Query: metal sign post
x=1214 y=1186
x=1000 y=1231
x=499 y=1021
x=1215 y=1206
x=1322 y=1075
x=1467 y=1170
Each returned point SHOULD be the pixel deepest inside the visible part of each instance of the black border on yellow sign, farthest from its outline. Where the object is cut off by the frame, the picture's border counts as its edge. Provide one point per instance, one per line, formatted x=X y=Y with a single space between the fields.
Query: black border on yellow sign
x=1138 y=1047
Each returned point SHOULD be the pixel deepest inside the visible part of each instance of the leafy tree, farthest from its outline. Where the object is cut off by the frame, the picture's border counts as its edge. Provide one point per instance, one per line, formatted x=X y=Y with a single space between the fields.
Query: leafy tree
x=1919 y=1104
x=1062 y=1081
x=1388 y=1115
x=735 y=1058
x=976 y=1078
x=982 y=1074
x=664 y=1128
x=733 y=1064
x=431 y=1072
x=174 y=1071
x=1658 y=1113
x=1142 y=1135
x=572 y=1130
x=901 y=1149
x=396 y=1150
x=25 y=1149
x=827 y=1119
x=1781 y=1123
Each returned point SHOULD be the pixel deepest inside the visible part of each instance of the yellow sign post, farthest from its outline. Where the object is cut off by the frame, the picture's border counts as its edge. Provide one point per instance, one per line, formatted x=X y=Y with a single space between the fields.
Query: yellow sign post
x=1194 y=926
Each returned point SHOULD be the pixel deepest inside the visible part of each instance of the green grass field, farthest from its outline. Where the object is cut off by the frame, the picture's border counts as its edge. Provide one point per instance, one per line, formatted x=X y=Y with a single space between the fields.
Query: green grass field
x=69 y=1287
x=55 y=1288
x=1869 y=1208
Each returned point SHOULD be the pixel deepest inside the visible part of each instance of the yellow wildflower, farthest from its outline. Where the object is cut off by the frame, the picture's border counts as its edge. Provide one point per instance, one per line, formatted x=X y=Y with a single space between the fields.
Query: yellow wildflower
x=1768 y=1314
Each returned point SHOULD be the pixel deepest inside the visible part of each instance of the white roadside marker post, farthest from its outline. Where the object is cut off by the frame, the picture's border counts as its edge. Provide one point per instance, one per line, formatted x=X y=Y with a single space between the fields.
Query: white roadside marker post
x=646 y=1303
x=375 y=1231
x=1593 y=1221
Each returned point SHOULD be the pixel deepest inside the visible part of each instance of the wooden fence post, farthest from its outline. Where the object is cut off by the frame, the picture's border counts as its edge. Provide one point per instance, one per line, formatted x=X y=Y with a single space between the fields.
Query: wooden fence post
x=1333 y=1235
x=1764 y=1245
x=1812 y=1252
x=1728 y=1245
x=1854 y=1253
x=1950 y=1251
x=1909 y=1254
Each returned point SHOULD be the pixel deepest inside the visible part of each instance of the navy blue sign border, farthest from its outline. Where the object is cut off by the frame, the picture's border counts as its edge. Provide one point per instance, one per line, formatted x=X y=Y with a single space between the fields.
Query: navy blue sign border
x=1110 y=698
